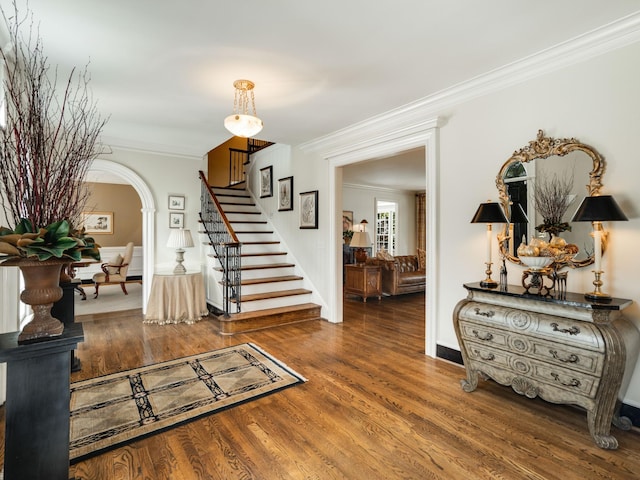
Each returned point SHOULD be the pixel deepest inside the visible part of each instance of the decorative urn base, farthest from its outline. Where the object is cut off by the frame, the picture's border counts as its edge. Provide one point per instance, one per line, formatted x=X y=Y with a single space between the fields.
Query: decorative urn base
x=41 y=291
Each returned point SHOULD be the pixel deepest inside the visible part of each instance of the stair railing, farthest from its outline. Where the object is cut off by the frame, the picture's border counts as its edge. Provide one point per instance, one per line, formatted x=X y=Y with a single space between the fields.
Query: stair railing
x=237 y=160
x=225 y=243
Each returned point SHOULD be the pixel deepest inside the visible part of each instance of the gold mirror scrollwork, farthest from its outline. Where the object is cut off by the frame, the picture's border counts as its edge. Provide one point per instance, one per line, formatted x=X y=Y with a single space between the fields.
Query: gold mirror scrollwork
x=544 y=147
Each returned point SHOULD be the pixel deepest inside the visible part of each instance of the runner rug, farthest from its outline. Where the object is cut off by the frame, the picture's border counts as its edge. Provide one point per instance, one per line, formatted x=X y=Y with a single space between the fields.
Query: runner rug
x=112 y=410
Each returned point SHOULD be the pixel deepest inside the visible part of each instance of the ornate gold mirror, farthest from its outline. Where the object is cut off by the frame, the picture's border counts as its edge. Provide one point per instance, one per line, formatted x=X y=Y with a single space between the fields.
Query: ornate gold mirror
x=570 y=170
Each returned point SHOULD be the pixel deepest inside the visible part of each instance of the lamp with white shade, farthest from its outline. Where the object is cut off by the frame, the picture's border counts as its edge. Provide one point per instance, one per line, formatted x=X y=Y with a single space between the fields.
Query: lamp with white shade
x=360 y=241
x=180 y=239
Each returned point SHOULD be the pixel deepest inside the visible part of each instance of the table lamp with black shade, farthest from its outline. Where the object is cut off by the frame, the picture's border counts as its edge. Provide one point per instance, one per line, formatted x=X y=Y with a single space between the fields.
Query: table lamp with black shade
x=489 y=213
x=598 y=209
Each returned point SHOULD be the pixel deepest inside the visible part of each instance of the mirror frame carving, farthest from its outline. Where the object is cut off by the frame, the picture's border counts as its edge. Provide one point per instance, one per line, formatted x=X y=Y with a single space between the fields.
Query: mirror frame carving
x=543 y=147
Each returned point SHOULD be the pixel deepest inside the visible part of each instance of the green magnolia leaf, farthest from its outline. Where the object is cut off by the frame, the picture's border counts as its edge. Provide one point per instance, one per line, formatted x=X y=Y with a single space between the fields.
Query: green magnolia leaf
x=74 y=255
x=25 y=226
x=54 y=240
x=58 y=229
x=91 y=253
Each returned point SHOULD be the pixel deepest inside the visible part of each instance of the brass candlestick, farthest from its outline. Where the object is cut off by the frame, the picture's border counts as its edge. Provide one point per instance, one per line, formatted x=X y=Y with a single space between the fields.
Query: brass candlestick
x=488 y=282
x=597 y=294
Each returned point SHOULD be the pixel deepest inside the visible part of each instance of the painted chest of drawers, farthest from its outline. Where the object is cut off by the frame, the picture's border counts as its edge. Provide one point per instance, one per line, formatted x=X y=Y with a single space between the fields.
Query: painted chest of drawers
x=568 y=350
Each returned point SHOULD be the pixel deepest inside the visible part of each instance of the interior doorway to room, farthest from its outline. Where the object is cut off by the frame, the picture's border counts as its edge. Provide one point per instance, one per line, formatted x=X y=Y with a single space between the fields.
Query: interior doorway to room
x=383 y=192
x=138 y=227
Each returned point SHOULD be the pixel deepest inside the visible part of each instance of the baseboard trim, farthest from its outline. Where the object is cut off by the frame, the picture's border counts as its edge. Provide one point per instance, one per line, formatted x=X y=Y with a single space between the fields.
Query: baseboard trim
x=450 y=354
x=453 y=355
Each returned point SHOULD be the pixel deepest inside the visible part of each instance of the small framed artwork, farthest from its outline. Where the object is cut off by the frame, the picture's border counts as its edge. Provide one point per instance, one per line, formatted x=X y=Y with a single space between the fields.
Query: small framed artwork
x=176 y=202
x=266 y=182
x=347 y=220
x=97 y=222
x=176 y=220
x=285 y=194
x=309 y=209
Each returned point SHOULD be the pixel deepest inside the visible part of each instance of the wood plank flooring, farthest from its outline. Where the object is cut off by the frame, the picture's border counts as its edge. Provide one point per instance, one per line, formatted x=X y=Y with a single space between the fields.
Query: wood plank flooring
x=375 y=407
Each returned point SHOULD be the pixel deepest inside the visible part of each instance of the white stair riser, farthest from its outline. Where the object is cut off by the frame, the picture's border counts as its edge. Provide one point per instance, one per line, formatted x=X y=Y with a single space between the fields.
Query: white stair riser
x=268 y=272
x=271 y=287
x=261 y=248
x=225 y=199
x=262 y=260
x=242 y=216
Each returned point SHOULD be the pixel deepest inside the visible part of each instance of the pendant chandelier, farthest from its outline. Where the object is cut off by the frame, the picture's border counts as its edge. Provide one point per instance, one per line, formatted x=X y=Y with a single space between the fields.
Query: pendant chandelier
x=241 y=123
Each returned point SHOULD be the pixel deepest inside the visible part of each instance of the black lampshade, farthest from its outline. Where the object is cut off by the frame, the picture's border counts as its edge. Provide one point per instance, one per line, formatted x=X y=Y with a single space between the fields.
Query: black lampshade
x=489 y=213
x=602 y=208
x=517 y=214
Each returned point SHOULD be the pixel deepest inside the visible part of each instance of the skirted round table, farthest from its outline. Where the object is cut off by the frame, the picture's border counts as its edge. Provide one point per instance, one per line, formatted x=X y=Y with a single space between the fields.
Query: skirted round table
x=176 y=298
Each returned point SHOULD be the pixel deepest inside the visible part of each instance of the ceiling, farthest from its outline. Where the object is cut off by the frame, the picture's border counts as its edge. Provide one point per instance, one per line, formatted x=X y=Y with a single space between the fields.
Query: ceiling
x=163 y=70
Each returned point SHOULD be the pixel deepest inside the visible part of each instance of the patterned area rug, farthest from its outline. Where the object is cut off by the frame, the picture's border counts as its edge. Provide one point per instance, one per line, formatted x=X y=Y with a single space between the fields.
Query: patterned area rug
x=115 y=409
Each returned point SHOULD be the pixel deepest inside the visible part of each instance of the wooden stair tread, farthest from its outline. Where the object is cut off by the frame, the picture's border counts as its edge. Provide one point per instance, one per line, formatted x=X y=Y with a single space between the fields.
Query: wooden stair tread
x=262 y=254
x=258 y=281
x=266 y=242
x=257 y=232
x=234 y=195
x=277 y=294
x=251 y=222
x=243 y=212
x=244 y=204
x=263 y=266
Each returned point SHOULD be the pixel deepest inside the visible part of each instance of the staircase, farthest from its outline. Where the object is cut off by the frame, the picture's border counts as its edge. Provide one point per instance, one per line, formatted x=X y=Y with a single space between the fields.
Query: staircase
x=271 y=292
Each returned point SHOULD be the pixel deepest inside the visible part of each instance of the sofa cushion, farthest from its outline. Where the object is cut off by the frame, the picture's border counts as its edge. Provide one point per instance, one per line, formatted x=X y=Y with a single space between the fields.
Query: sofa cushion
x=411 y=278
x=384 y=255
x=406 y=263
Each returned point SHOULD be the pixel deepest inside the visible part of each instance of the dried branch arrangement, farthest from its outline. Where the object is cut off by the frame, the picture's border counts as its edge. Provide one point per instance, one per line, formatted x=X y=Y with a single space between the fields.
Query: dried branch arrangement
x=51 y=134
x=552 y=201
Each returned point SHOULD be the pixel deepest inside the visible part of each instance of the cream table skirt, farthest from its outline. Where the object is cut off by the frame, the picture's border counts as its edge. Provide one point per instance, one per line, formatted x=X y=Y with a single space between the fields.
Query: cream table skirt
x=176 y=299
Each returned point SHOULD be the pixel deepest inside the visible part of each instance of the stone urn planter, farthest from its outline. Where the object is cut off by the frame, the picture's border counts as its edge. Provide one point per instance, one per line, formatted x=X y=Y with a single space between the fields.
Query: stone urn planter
x=41 y=291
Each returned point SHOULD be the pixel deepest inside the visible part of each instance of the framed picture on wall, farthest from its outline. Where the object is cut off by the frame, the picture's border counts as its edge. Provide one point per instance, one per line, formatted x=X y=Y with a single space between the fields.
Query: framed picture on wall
x=347 y=220
x=309 y=209
x=266 y=182
x=97 y=222
x=176 y=220
x=285 y=194
x=176 y=202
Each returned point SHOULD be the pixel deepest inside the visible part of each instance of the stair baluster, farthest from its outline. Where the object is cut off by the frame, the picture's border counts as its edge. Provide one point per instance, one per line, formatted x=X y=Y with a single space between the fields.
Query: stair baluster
x=224 y=242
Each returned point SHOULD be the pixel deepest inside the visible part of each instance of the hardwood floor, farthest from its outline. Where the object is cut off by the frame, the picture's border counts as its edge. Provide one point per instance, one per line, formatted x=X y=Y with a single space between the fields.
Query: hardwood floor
x=375 y=407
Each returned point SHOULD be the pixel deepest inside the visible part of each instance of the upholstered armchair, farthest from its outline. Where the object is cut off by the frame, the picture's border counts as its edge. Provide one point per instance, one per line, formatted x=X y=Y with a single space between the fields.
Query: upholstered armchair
x=114 y=271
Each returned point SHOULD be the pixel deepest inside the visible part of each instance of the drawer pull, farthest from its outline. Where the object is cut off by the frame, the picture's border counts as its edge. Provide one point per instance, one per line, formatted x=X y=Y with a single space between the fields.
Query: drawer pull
x=488 y=357
x=571 y=331
x=487 y=337
x=488 y=314
x=573 y=383
x=570 y=359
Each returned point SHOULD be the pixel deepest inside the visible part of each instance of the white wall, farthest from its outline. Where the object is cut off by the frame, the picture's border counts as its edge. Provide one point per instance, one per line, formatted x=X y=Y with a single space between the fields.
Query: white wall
x=168 y=175
x=597 y=102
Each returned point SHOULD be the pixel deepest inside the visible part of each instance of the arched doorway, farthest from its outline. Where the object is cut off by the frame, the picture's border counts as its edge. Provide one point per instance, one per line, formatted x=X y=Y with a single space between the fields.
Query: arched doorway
x=148 y=217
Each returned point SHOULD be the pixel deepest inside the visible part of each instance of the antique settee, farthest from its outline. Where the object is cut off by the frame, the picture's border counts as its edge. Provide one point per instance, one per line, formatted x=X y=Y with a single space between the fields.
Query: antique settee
x=401 y=274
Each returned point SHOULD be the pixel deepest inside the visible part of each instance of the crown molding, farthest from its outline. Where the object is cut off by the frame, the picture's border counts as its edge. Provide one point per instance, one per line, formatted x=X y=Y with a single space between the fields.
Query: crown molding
x=152 y=148
x=601 y=40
